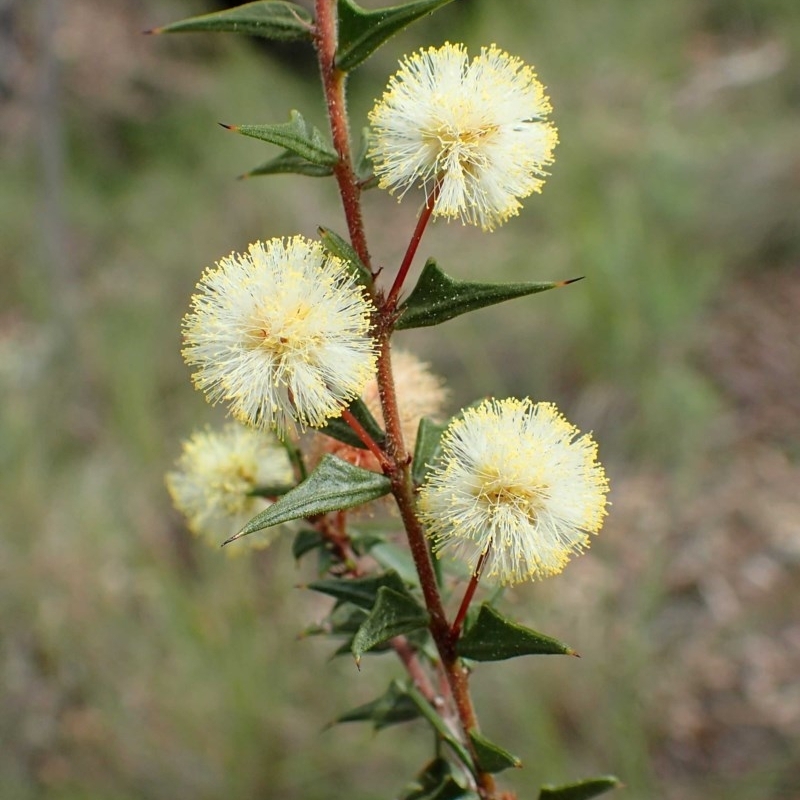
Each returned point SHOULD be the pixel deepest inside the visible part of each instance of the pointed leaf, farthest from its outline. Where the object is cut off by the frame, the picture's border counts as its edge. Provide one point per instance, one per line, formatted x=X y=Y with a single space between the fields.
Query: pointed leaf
x=361 y=592
x=306 y=541
x=362 y=32
x=338 y=429
x=393 y=614
x=495 y=638
x=438 y=297
x=584 y=790
x=332 y=486
x=391 y=708
x=290 y=163
x=437 y=782
x=296 y=135
x=341 y=248
x=492 y=757
x=429 y=435
x=270 y=19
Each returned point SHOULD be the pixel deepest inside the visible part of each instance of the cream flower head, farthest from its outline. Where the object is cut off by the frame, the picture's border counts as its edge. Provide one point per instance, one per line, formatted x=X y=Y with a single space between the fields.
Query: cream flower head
x=518 y=484
x=216 y=475
x=282 y=334
x=478 y=129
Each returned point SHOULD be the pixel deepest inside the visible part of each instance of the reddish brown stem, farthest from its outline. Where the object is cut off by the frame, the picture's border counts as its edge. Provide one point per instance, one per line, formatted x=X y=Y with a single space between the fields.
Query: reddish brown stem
x=422 y=222
x=369 y=442
x=455 y=630
x=333 y=83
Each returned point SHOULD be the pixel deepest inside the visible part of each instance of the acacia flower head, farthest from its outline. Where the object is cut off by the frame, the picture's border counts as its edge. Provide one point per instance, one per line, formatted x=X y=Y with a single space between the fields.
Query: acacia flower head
x=217 y=474
x=475 y=130
x=280 y=333
x=517 y=485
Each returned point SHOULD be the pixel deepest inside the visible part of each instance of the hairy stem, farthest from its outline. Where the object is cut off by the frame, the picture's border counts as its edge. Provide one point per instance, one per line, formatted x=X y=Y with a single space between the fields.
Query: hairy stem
x=333 y=85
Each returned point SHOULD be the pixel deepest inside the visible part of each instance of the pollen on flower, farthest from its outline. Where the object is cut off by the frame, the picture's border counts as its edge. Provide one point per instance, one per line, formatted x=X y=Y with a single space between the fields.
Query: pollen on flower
x=474 y=132
x=216 y=476
x=280 y=333
x=517 y=484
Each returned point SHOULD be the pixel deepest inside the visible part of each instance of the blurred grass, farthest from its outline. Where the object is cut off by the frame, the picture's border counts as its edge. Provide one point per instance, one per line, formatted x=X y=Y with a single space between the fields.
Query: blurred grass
x=137 y=664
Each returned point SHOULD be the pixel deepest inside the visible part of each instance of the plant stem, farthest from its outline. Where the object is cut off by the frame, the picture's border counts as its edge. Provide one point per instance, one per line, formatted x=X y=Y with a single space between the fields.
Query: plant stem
x=455 y=631
x=368 y=441
x=422 y=222
x=398 y=468
x=333 y=83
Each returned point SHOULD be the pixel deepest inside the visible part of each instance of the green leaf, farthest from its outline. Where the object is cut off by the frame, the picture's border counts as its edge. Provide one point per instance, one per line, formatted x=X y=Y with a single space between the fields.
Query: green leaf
x=361 y=592
x=394 y=614
x=391 y=708
x=296 y=135
x=492 y=757
x=438 y=297
x=341 y=248
x=289 y=163
x=584 y=790
x=494 y=638
x=270 y=19
x=306 y=541
x=338 y=429
x=429 y=435
x=332 y=486
x=362 y=32
x=437 y=782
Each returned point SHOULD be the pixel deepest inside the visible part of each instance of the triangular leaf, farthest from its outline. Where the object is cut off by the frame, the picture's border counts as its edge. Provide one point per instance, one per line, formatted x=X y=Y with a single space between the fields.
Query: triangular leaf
x=438 y=297
x=394 y=614
x=429 y=435
x=341 y=248
x=494 y=638
x=332 y=486
x=584 y=790
x=269 y=19
x=361 y=592
x=492 y=757
x=290 y=163
x=391 y=708
x=296 y=135
x=338 y=429
x=362 y=32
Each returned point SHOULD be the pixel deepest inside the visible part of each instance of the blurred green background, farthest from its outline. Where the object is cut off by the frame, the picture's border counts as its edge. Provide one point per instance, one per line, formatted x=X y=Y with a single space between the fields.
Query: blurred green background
x=138 y=664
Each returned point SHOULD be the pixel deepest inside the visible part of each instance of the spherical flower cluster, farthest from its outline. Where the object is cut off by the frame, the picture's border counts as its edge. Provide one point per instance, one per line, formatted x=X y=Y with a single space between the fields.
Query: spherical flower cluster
x=476 y=131
x=517 y=486
x=280 y=333
x=217 y=474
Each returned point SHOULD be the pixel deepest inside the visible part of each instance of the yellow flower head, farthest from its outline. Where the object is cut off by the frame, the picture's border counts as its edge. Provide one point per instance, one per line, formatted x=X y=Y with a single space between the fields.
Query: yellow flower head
x=518 y=484
x=478 y=129
x=280 y=333
x=216 y=474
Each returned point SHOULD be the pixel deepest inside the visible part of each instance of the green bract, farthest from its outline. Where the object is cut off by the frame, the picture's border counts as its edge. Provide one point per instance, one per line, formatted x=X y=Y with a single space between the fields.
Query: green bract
x=269 y=19
x=332 y=486
x=437 y=297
